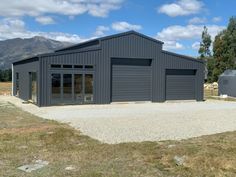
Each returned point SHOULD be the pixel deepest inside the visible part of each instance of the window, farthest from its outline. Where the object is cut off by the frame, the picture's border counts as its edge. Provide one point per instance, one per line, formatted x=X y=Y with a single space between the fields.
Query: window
x=88 y=90
x=88 y=66
x=55 y=66
x=56 y=87
x=17 y=76
x=78 y=66
x=67 y=66
x=67 y=87
x=33 y=86
x=17 y=84
x=78 y=87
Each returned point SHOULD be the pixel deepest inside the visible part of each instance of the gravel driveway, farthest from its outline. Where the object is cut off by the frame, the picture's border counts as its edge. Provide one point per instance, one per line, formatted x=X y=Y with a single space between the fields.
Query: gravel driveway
x=117 y=123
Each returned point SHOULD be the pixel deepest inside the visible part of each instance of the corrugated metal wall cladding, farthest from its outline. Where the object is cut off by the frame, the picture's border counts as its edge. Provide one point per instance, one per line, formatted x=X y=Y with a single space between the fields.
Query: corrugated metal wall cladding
x=24 y=79
x=131 y=83
x=180 y=87
x=85 y=58
x=129 y=46
x=227 y=85
x=176 y=62
x=179 y=62
x=80 y=58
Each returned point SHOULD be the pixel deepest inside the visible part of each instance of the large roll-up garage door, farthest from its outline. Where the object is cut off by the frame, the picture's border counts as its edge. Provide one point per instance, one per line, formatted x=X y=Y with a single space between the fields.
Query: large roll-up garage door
x=180 y=84
x=131 y=80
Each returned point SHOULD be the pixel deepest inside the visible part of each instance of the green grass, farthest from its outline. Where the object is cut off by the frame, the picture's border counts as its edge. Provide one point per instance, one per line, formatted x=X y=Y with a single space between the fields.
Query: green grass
x=25 y=138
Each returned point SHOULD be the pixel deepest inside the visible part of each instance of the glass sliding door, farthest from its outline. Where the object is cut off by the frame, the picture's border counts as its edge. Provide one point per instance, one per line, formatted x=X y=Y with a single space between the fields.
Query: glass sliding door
x=17 y=85
x=56 y=88
x=78 y=88
x=67 y=88
x=72 y=88
x=88 y=88
x=34 y=87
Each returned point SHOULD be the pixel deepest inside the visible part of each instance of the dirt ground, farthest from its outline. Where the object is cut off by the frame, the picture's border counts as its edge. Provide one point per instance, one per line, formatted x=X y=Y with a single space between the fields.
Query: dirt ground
x=5 y=88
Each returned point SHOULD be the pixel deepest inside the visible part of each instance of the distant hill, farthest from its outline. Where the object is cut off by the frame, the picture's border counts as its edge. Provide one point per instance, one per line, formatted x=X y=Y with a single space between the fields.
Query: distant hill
x=12 y=50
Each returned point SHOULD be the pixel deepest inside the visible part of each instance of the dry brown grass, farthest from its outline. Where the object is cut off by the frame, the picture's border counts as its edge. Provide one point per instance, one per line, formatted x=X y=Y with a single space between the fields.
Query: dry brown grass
x=25 y=138
x=210 y=92
x=5 y=88
x=213 y=94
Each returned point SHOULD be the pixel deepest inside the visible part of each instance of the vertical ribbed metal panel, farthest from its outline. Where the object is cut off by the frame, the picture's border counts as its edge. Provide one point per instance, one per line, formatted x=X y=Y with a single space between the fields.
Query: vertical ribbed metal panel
x=84 y=58
x=168 y=61
x=129 y=46
x=131 y=83
x=227 y=85
x=24 y=80
x=180 y=87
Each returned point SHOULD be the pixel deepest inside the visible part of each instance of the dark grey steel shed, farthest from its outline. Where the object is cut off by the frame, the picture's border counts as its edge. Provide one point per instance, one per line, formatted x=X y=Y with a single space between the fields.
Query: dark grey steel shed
x=123 y=67
x=227 y=83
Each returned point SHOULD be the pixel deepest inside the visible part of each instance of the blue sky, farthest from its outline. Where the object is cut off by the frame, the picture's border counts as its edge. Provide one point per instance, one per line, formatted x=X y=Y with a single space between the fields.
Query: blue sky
x=178 y=23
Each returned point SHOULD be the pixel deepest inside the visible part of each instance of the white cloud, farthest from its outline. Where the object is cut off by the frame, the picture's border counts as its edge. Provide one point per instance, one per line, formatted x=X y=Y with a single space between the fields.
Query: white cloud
x=15 y=28
x=169 y=45
x=11 y=28
x=178 y=33
x=45 y=20
x=102 y=9
x=100 y=30
x=216 y=19
x=98 y=8
x=58 y=36
x=124 y=26
x=181 y=8
x=197 y=20
x=196 y=45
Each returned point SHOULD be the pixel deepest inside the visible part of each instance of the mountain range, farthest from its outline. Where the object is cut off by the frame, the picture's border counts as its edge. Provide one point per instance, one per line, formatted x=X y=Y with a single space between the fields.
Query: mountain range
x=12 y=50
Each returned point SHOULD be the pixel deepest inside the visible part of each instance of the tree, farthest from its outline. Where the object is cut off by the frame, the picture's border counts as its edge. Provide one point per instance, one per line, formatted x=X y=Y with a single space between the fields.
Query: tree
x=219 y=48
x=224 y=49
x=5 y=75
x=210 y=68
x=205 y=52
x=204 y=49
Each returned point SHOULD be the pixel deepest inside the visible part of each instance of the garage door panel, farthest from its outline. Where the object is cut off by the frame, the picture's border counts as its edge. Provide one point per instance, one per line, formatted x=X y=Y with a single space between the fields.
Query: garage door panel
x=180 y=87
x=131 y=83
x=132 y=79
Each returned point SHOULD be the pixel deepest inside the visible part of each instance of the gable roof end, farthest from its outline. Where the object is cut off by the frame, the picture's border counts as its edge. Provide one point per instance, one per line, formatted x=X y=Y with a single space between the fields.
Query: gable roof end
x=95 y=42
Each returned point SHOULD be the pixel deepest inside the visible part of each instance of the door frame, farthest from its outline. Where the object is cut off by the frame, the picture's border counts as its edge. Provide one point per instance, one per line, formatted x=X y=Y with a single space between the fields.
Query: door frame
x=72 y=72
x=30 y=86
x=150 y=84
x=190 y=72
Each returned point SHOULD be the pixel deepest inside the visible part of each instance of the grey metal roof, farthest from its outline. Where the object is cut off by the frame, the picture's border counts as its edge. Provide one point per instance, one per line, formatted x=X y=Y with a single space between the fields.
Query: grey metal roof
x=110 y=37
x=229 y=72
x=130 y=32
x=70 y=49
x=183 y=56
